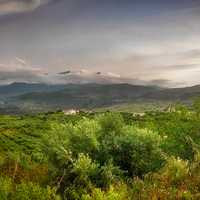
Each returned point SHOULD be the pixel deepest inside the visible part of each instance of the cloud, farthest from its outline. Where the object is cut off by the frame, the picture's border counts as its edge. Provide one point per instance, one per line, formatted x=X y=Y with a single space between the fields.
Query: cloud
x=23 y=62
x=160 y=82
x=20 y=6
x=19 y=76
x=111 y=74
x=165 y=83
x=182 y=67
x=20 y=71
x=194 y=53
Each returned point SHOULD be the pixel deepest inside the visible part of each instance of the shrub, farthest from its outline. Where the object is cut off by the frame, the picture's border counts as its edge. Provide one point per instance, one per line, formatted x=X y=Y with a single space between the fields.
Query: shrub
x=5 y=188
x=175 y=170
x=136 y=151
x=83 y=137
x=32 y=191
x=111 y=124
x=115 y=192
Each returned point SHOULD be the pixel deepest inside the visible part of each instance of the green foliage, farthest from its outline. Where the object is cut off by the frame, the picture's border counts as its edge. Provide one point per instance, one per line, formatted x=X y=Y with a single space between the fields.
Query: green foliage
x=101 y=156
x=84 y=166
x=25 y=191
x=83 y=136
x=175 y=170
x=31 y=191
x=111 y=124
x=135 y=151
x=5 y=188
x=119 y=192
x=196 y=105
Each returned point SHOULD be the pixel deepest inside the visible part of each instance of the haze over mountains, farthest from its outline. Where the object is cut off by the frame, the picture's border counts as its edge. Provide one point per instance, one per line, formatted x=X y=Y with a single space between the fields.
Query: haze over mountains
x=22 y=71
x=84 y=94
x=88 y=54
x=35 y=89
x=85 y=76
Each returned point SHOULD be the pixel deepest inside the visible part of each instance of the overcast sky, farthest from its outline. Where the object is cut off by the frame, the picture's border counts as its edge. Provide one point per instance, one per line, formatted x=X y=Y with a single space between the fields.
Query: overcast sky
x=150 y=40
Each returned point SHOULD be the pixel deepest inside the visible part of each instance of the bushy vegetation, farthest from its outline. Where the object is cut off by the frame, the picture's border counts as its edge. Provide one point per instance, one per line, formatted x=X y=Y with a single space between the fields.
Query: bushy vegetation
x=101 y=156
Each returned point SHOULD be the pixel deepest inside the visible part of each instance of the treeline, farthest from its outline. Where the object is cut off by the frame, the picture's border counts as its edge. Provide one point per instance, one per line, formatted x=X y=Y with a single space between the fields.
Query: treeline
x=101 y=156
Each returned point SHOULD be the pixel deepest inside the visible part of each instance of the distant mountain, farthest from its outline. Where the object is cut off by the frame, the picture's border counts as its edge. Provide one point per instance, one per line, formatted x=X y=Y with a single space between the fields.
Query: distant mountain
x=98 y=95
x=88 y=96
x=18 y=88
x=175 y=94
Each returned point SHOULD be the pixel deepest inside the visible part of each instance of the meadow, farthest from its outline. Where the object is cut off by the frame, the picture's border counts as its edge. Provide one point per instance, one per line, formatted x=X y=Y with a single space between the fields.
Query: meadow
x=101 y=155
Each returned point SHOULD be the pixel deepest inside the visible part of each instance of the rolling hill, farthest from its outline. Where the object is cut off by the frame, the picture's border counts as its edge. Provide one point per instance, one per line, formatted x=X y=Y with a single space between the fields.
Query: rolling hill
x=90 y=96
x=19 y=88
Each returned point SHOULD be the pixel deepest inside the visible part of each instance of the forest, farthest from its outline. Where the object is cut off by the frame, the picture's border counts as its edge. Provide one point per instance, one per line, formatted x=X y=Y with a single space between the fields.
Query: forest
x=101 y=155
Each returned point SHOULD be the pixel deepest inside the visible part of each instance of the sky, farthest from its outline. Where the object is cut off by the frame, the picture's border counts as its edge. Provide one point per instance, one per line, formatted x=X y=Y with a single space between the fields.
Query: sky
x=155 y=41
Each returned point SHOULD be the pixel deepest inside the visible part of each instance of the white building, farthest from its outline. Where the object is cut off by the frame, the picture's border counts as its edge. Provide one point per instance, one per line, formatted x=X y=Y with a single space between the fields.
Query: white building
x=71 y=112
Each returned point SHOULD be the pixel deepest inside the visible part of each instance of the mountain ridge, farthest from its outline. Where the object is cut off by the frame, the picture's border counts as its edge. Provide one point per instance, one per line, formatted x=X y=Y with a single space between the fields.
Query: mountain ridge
x=90 y=95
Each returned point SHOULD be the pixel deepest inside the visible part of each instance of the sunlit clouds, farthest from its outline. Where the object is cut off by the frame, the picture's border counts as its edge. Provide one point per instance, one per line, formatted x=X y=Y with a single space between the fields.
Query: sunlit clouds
x=17 y=6
x=149 y=41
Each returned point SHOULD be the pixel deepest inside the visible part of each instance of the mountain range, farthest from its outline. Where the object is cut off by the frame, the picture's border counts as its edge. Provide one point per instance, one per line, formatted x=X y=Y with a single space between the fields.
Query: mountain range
x=88 y=96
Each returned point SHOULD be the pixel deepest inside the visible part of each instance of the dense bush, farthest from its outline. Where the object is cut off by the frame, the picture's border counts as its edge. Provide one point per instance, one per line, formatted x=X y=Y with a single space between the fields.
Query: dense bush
x=25 y=191
x=101 y=156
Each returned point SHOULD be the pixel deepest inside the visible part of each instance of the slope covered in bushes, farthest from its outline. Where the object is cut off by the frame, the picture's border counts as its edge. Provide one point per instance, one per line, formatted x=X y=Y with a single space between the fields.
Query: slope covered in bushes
x=101 y=156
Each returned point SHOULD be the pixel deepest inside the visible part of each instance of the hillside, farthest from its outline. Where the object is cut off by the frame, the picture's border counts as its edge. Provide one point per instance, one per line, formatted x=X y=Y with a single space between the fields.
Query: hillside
x=88 y=95
x=101 y=156
x=42 y=97
x=19 y=88
x=178 y=94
